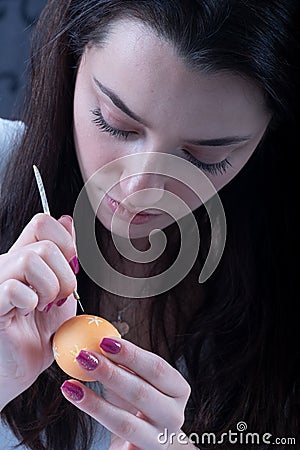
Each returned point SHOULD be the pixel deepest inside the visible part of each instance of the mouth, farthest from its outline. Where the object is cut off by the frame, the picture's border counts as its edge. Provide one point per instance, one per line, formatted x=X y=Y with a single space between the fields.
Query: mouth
x=126 y=214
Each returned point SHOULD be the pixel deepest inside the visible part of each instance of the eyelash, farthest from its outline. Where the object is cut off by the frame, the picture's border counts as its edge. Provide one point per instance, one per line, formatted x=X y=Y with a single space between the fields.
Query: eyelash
x=103 y=125
x=214 y=169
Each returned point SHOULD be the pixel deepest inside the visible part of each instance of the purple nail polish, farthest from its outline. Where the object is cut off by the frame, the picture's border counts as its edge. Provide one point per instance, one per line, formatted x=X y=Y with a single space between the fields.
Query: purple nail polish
x=74 y=265
x=73 y=391
x=48 y=307
x=110 y=345
x=61 y=301
x=86 y=360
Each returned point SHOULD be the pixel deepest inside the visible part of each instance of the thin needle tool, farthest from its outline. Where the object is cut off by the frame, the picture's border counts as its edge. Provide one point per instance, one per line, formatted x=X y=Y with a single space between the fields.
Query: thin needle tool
x=46 y=210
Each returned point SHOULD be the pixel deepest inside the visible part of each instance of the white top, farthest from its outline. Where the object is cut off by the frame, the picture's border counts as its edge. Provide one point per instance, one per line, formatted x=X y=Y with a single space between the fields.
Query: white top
x=10 y=132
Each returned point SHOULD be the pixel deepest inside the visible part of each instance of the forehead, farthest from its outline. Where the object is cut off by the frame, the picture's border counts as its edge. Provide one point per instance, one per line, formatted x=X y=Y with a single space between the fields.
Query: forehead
x=148 y=74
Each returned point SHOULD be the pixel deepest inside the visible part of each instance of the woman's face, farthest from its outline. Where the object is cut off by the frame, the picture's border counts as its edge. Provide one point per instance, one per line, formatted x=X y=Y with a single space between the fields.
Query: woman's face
x=134 y=95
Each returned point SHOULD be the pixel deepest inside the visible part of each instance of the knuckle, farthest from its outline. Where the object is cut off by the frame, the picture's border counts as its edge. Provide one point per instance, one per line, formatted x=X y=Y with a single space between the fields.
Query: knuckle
x=125 y=429
x=140 y=393
x=39 y=221
x=26 y=258
x=47 y=247
x=110 y=373
x=10 y=288
x=158 y=368
x=93 y=406
x=132 y=356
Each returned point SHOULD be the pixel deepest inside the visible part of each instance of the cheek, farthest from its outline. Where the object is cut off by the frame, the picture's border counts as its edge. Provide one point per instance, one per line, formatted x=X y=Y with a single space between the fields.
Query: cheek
x=185 y=193
x=94 y=148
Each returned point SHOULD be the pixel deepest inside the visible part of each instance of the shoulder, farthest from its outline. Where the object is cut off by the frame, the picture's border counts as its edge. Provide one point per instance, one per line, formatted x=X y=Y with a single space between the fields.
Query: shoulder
x=11 y=132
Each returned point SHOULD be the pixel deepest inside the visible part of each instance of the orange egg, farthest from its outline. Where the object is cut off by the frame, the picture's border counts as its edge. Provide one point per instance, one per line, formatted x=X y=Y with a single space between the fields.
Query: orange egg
x=79 y=333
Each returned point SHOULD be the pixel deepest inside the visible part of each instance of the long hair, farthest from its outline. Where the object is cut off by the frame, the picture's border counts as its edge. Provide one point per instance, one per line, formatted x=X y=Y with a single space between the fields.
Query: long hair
x=241 y=348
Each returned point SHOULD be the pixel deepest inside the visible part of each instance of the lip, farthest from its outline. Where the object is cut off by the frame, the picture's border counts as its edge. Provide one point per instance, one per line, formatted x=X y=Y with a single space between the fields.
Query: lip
x=126 y=214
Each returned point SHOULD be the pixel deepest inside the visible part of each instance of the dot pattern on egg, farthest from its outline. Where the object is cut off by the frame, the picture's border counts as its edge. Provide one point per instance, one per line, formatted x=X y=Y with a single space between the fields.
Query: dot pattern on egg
x=83 y=332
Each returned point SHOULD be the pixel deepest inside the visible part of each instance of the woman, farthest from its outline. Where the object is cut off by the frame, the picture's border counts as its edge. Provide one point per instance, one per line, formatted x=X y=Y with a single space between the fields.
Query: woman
x=215 y=83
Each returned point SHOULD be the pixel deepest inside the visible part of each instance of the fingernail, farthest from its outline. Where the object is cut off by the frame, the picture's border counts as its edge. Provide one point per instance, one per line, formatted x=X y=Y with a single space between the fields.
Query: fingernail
x=74 y=265
x=69 y=218
x=73 y=391
x=48 y=307
x=61 y=301
x=86 y=360
x=110 y=345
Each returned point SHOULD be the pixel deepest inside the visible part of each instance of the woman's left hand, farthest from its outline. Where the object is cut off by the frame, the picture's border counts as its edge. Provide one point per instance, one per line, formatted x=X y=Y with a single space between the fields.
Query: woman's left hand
x=148 y=396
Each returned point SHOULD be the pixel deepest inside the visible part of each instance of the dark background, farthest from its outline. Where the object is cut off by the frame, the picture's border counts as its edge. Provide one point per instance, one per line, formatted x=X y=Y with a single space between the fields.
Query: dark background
x=17 y=18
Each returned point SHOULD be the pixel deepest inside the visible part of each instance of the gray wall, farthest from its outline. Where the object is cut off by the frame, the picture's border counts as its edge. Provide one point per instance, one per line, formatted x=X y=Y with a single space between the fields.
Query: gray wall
x=16 y=23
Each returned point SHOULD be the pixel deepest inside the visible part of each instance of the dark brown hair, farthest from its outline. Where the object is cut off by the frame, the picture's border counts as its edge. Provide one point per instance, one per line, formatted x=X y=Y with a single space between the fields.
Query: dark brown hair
x=241 y=348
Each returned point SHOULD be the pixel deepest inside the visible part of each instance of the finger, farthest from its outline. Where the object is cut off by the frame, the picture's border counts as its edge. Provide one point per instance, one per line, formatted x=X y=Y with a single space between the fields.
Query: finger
x=56 y=261
x=67 y=222
x=134 y=390
x=44 y=227
x=122 y=423
x=29 y=268
x=15 y=294
x=117 y=400
x=147 y=365
x=44 y=268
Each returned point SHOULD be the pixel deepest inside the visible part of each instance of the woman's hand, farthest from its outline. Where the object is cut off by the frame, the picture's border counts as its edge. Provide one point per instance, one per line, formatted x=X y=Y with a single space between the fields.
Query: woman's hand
x=146 y=395
x=35 y=278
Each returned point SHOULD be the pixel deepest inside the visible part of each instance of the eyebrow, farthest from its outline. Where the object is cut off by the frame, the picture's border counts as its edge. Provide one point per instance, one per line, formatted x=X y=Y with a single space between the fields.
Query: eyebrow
x=118 y=102
x=217 y=142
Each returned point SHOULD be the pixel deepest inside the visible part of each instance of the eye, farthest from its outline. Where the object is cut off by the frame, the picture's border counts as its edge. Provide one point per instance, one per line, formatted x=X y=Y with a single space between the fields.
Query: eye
x=218 y=168
x=106 y=128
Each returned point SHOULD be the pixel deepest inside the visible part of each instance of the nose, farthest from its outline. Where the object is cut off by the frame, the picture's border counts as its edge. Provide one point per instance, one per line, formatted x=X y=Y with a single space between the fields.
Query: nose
x=143 y=179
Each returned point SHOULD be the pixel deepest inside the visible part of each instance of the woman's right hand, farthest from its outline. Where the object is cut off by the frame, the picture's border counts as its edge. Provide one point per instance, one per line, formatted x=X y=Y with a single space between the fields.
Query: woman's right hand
x=35 y=275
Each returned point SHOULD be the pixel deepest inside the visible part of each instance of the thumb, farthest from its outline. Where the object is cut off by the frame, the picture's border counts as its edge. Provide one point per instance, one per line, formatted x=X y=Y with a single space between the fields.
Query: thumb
x=67 y=223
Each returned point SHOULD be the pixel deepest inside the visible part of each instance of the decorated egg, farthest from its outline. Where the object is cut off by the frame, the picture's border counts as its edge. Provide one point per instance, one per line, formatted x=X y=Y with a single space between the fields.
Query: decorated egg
x=80 y=333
